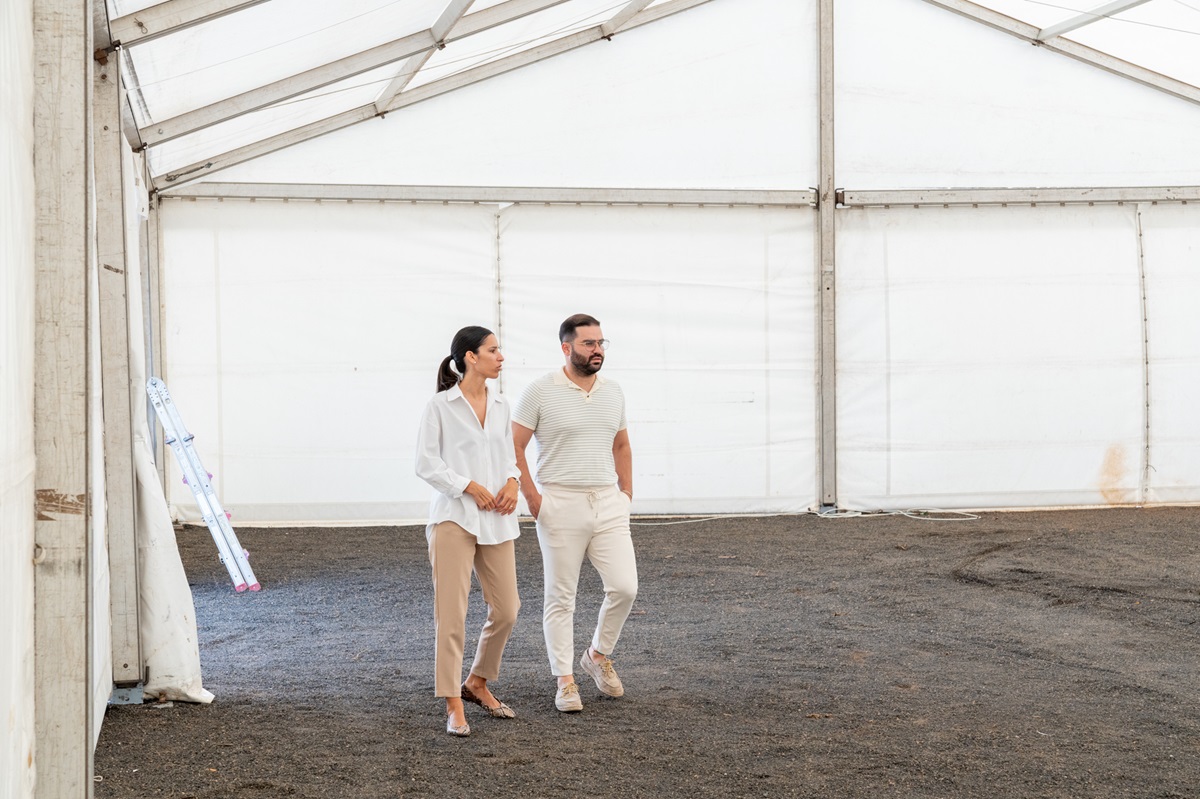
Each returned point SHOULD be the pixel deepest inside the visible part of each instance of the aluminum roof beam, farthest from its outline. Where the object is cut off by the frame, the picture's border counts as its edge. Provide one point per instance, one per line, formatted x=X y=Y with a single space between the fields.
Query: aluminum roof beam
x=627 y=13
x=1057 y=44
x=1017 y=197
x=468 y=77
x=440 y=30
x=1087 y=18
x=167 y=18
x=334 y=71
x=495 y=194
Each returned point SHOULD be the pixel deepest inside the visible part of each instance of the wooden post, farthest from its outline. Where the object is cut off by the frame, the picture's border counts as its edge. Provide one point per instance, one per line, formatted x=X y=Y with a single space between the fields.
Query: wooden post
x=114 y=356
x=63 y=256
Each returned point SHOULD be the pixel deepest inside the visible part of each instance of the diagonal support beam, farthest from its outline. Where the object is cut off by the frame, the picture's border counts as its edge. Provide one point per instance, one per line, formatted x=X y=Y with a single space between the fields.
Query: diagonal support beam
x=1087 y=18
x=208 y=166
x=440 y=30
x=164 y=19
x=318 y=77
x=1106 y=62
x=624 y=15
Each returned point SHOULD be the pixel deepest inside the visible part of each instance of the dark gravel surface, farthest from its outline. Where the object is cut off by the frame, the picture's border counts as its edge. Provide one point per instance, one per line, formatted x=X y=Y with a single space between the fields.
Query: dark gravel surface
x=1047 y=654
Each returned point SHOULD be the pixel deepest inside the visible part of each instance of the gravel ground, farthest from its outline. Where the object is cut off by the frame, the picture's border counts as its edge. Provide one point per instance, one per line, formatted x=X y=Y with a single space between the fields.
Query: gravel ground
x=1046 y=654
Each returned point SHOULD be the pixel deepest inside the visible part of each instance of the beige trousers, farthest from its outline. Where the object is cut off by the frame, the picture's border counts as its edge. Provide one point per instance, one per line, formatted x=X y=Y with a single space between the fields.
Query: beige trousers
x=453 y=553
x=576 y=524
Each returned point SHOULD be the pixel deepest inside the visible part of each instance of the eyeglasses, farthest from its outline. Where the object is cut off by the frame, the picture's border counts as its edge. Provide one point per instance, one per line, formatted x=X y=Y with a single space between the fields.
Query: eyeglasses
x=594 y=344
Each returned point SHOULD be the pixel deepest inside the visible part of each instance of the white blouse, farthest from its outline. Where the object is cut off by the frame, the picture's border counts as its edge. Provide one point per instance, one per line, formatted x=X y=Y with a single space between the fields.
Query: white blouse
x=453 y=449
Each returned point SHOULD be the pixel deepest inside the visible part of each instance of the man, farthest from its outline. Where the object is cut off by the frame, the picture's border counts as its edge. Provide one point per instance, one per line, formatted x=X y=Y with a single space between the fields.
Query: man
x=585 y=470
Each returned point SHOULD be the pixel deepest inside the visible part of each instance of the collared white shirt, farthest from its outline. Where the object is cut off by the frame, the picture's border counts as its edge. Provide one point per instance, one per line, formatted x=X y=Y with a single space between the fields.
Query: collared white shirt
x=453 y=449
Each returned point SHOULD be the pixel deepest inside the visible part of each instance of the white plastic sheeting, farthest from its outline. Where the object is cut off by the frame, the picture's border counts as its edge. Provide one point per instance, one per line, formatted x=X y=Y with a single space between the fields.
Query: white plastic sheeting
x=994 y=357
x=720 y=96
x=712 y=319
x=926 y=98
x=99 y=659
x=1171 y=244
x=303 y=340
x=170 y=646
x=16 y=400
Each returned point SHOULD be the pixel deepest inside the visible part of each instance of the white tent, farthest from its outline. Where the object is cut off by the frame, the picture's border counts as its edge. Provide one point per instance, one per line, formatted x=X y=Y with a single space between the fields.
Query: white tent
x=861 y=255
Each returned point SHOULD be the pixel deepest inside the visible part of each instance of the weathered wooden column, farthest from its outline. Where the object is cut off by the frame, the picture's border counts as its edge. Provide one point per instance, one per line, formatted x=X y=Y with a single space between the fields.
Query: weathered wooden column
x=113 y=276
x=63 y=255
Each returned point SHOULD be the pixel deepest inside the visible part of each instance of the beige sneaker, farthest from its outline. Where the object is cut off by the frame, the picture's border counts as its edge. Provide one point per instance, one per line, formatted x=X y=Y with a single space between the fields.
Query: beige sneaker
x=567 y=699
x=603 y=673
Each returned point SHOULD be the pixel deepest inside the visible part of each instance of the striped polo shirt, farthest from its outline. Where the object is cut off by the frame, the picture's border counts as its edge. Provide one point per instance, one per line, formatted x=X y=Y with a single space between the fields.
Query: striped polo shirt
x=574 y=429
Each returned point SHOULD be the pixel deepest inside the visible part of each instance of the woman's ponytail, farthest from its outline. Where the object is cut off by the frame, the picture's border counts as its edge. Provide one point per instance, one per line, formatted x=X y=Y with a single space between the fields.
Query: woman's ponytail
x=454 y=365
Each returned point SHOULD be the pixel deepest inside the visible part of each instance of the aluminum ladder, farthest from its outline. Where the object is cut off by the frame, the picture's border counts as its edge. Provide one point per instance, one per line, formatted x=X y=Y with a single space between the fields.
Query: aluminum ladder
x=177 y=437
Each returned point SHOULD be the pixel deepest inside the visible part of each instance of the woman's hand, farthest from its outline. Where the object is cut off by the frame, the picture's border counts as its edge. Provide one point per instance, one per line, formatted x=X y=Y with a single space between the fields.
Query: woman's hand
x=506 y=500
x=483 y=498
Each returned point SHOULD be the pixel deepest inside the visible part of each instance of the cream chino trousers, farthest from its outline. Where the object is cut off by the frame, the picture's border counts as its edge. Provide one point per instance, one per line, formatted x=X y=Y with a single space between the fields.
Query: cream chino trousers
x=578 y=523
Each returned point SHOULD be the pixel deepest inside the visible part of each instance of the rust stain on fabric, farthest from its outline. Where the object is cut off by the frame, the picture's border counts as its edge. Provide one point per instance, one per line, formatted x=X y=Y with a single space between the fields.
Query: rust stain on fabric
x=51 y=501
x=1112 y=474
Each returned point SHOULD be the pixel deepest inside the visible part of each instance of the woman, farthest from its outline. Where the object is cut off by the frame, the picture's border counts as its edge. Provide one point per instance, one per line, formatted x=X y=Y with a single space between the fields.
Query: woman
x=465 y=451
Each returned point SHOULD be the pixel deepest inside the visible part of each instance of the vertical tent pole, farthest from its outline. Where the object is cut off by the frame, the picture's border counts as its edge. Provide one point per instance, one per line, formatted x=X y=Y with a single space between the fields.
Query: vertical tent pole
x=826 y=203
x=64 y=254
x=114 y=355
x=155 y=311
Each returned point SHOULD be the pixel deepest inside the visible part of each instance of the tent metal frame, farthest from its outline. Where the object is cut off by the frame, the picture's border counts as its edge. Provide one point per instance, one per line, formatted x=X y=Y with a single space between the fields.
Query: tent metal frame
x=311 y=130
x=494 y=194
x=1088 y=17
x=1071 y=49
x=163 y=19
x=456 y=22
x=849 y=198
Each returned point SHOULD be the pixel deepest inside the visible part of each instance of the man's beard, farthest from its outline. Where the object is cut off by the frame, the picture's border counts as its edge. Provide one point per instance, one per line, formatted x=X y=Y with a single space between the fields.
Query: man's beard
x=582 y=364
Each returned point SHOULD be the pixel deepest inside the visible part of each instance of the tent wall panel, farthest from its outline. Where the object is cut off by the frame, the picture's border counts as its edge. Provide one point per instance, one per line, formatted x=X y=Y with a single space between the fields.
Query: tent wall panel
x=959 y=104
x=712 y=316
x=620 y=114
x=1171 y=241
x=303 y=339
x=16 y=400
x=989 y=357
x=342 y=311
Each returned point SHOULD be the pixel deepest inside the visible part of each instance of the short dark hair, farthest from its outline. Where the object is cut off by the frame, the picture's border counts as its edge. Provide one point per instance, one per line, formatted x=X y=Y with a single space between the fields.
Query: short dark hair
x=566 y=331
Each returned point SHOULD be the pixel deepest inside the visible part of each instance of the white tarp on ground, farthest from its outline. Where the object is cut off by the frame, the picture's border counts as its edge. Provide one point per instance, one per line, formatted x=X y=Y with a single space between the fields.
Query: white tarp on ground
x=304 y=338
x=16 y=400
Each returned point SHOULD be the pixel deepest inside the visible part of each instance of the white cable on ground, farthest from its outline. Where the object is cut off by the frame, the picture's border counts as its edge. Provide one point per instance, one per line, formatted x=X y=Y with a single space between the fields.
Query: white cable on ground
x=921 y=514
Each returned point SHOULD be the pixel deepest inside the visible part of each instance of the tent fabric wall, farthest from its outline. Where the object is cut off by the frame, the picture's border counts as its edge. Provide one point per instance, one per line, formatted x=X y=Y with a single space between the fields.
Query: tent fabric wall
x=99 y=662
x=16 y=400
x=712 y=316
x=1171 y=249
x=721 y=96
x=993 y=357
x=170 y=648
x=927 y=98
x=342 y=311
x=302 y=342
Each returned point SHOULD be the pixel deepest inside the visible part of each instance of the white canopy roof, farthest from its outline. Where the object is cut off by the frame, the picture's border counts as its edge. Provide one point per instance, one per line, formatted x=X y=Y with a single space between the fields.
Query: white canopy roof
x=216 y=83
